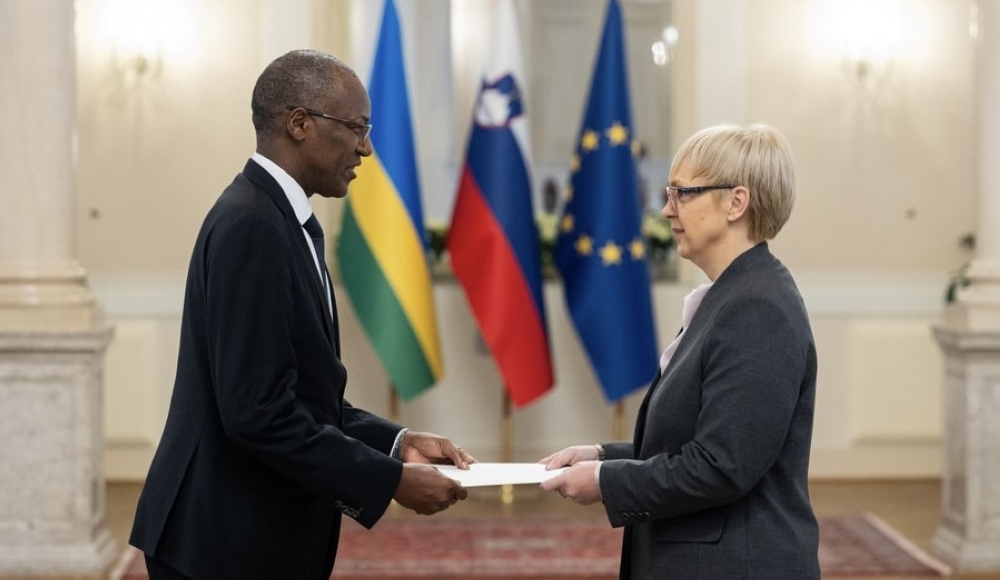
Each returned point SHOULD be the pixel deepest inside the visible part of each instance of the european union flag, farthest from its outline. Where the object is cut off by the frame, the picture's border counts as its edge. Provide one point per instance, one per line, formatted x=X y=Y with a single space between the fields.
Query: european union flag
x=600 y=251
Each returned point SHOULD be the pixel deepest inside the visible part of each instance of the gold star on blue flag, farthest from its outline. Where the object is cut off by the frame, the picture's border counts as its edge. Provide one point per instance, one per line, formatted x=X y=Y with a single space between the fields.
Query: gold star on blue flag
x=600 y=252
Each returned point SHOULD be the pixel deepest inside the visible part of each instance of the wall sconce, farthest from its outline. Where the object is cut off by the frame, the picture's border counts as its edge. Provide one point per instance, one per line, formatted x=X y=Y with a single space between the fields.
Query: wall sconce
x=866 y=35
x=138 y=34
x=135 y=33
x=871 y=47
x=135 y=63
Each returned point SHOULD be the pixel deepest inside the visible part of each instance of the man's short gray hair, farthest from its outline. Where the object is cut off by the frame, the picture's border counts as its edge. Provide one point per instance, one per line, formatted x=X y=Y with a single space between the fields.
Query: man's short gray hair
x=300 y=78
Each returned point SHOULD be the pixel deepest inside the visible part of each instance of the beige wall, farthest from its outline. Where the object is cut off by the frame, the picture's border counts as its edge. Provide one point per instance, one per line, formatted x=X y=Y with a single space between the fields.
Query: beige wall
x=887 y=177
x=887 y=184
x=155 y=153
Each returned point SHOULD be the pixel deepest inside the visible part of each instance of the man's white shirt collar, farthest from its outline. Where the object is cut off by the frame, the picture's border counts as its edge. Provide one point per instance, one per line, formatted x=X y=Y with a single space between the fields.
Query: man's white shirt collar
x=300 y=205
x=293 y=191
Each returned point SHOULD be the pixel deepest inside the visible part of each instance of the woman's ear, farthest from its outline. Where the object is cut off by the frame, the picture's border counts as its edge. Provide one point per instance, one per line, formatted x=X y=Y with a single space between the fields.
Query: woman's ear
x=739 y=202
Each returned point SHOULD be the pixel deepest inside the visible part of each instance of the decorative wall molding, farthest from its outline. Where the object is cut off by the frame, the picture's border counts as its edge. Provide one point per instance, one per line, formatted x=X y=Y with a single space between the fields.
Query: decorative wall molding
x=853 y=313
x=827 y=293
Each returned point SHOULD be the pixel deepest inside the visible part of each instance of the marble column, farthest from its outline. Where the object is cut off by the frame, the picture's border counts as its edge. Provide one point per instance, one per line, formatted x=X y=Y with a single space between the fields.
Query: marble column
x=52 y=342
x=969 y=533
x=41 y=285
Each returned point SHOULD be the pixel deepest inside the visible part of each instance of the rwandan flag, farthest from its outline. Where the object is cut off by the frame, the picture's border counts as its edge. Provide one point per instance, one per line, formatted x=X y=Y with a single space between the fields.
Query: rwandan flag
x=600 y=251
x=381 y=252
x=493 y=239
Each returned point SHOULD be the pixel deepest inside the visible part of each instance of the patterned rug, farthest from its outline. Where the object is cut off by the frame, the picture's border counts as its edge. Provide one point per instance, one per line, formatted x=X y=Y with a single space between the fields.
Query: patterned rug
x=857 y=546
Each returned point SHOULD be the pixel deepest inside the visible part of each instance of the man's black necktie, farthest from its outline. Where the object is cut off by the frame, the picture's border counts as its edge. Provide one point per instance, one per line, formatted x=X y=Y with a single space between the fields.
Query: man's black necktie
x=315 y=232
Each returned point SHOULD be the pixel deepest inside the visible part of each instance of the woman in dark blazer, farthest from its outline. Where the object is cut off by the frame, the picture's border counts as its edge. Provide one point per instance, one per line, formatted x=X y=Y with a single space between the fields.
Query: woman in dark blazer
x=714 y=483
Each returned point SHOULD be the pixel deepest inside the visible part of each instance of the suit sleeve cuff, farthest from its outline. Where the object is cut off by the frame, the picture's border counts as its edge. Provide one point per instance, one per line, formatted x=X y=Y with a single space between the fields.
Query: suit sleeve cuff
x=597 y=480
x=398 y=444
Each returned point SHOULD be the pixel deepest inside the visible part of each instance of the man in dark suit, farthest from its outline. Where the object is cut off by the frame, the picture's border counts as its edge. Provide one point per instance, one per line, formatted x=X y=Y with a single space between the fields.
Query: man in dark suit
x=714 y=483
x=261 y=454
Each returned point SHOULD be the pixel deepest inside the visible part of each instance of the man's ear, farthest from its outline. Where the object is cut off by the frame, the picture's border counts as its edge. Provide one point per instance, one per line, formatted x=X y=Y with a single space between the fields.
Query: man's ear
x=739 y=202
x=296 y=123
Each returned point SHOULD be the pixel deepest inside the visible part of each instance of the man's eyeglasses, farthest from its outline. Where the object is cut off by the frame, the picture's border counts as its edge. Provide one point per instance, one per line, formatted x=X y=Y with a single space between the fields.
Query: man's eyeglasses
x=677 y=195
x=362 y=131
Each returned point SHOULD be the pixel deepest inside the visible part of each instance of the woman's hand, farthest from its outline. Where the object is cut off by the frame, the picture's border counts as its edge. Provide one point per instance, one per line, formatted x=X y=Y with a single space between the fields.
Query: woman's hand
x=578 y=483
x=570 y=456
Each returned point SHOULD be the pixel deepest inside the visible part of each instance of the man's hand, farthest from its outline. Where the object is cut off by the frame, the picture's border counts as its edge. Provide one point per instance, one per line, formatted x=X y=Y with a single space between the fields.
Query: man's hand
x=426 y=490
x=420 y=447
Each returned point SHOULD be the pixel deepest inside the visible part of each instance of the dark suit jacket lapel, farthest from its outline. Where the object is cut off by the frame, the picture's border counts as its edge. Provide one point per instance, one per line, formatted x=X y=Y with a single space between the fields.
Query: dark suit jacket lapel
x=336 y=319
x=640 y=423
x=732 y=275
x=640 y=420
x=263 y=180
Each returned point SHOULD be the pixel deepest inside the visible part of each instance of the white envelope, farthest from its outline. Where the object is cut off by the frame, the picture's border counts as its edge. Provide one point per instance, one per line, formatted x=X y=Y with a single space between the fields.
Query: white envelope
x=484 y=474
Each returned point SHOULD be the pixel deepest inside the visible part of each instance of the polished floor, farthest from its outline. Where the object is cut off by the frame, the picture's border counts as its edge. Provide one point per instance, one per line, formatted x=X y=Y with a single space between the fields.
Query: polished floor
x=911 y=507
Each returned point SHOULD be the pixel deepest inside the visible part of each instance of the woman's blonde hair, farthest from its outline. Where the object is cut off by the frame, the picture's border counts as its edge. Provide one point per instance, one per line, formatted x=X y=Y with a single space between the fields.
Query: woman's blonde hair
x=756 y=156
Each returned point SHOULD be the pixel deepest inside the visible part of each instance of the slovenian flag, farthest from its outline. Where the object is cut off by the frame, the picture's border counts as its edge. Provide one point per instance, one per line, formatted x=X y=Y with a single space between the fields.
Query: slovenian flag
x=381 y=252
x=493 y=239
x=600 y=251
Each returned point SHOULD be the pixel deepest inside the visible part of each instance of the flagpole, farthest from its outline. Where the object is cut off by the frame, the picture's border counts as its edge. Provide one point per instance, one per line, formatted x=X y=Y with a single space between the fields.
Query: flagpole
x=393 y=403
x=507 y=445
x=618 y=422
